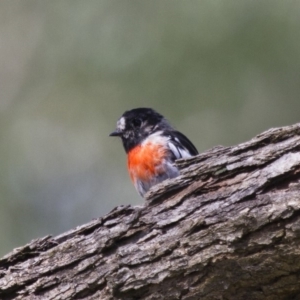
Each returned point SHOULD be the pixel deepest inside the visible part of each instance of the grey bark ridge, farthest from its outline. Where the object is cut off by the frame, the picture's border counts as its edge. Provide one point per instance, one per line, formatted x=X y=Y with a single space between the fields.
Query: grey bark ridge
x=227 y=228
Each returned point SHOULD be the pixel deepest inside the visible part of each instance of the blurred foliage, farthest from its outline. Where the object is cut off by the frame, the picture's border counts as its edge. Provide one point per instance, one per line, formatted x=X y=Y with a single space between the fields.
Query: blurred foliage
x=220 y=71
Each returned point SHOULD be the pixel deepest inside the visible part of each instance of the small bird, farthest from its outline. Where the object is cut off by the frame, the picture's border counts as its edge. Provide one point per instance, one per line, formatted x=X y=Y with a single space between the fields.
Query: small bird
x=152 y=145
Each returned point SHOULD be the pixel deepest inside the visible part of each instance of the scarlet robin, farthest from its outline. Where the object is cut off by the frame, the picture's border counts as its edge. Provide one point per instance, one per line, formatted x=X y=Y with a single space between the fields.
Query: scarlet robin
x=152 y=145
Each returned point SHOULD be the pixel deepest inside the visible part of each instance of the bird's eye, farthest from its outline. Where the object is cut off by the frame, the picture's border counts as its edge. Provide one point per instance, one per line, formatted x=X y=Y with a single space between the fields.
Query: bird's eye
x=136 y=122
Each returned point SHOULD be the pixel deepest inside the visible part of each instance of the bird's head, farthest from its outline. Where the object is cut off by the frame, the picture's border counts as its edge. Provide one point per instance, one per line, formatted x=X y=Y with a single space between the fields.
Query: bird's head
x=137 y=124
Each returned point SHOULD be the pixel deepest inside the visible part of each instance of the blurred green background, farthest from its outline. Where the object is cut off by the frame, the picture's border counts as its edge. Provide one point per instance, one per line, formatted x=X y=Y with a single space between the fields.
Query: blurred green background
x=220 y=71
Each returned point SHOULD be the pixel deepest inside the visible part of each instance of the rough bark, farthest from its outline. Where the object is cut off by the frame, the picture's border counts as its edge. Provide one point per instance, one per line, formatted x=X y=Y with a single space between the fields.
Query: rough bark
x=227 y=228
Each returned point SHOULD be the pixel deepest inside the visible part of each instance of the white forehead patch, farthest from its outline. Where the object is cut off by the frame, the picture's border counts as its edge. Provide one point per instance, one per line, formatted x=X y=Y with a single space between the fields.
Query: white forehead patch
x=121 y=124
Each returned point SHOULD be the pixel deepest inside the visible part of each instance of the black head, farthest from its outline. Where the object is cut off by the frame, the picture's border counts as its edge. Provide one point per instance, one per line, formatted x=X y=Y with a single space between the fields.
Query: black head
x=136 y=124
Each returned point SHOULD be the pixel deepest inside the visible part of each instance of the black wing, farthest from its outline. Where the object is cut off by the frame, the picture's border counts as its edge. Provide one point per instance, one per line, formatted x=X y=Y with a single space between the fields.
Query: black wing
x=180 y=145
x=180 y=139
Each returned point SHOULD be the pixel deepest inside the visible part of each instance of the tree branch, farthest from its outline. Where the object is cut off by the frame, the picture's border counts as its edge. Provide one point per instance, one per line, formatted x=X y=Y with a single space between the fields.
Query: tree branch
x=227 y=228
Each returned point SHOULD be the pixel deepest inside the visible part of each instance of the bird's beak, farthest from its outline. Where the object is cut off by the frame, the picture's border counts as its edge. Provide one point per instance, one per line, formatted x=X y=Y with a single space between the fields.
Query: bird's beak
x=116 y=133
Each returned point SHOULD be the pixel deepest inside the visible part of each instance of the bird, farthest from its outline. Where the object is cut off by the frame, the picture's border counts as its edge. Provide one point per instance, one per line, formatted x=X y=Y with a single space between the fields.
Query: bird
x=152 y=146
